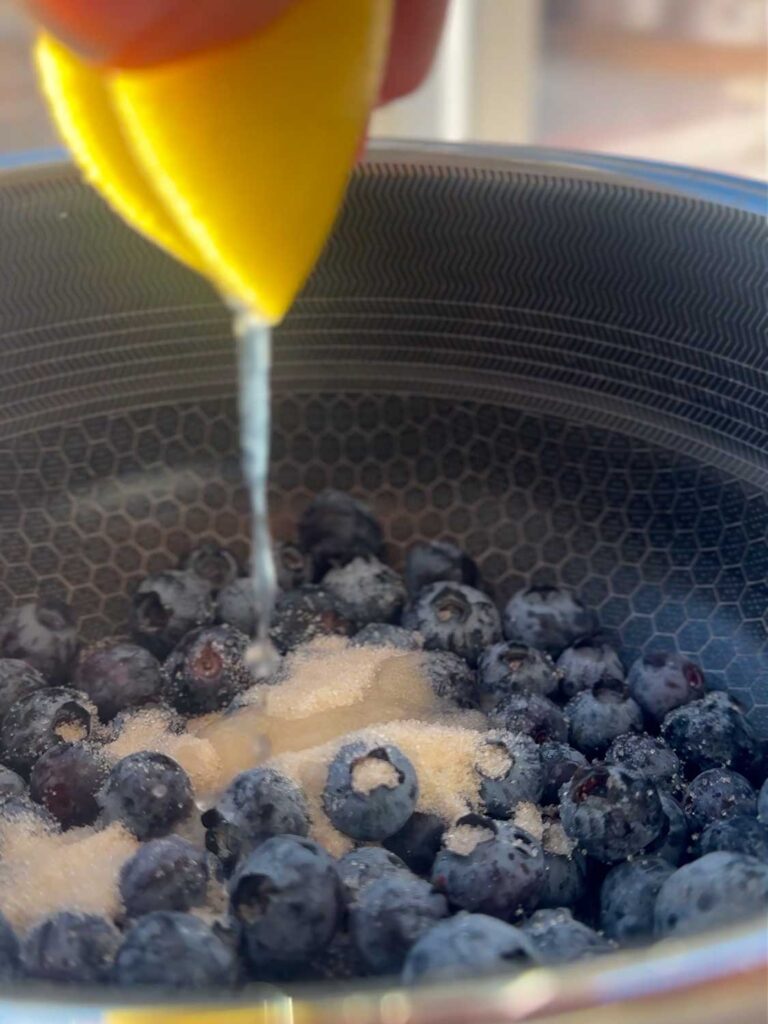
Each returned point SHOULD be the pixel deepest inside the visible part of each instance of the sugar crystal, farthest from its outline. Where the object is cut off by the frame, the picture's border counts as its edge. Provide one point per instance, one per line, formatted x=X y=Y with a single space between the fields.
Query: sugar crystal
x=42 y=871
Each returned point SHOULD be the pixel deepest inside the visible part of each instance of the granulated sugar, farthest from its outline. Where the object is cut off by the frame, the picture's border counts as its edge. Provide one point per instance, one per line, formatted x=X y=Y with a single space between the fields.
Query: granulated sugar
x=72 y=731
x=443 y=756
x=149 y=729
x=325 y=675
x=43 y=871
x=493 y=760
x=331 y=689
x=528 y=816
x=372 y=772
x=145 y=729
x=330 y=694
x=238 y=740
x=463 y=839
x=554 y=839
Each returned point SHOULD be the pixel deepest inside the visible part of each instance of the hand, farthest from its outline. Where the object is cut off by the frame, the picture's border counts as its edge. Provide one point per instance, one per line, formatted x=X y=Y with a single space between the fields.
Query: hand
x=139 y=33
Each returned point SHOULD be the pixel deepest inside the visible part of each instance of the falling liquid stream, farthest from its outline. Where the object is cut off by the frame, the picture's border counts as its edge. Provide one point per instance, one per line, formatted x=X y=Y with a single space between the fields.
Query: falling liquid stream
x=254 y=361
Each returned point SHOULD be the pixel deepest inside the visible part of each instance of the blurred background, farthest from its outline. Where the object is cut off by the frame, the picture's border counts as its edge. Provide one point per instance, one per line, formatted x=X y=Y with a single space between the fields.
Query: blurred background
x=673 y=80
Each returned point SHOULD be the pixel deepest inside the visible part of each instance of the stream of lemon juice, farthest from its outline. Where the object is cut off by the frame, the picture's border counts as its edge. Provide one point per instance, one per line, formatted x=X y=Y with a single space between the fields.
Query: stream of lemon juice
x=235 y=161
x=253 y=338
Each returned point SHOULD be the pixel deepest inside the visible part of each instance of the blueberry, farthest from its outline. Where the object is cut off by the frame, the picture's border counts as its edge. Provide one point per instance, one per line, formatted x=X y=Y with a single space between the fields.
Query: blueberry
x=437 y=562
x=660 y=682
x=454 y=617
x=308 y=612
x=206 y=670
x=236 y=606
x=164 y=874
x=335 y=528
x=672 y=841
x=373 y=591
x=160 y=715
x=565 y=882
x=534 y=716
x=762 y=803
x=628 y=896
x=610 y=812
x=212 y=563
x=451 y=678
x=468 y=946
x=337 y=961
x=716 y=889
x=172 y=950
x=43 y=634
x=147 y=792
x=257 y=804
x=586 y=662
x=21 y=808
x=167 y=605
x=548 y=618
x=596 y=717
x=716 y=794
x=117 y=675
x=384 y=634
x=558 y=763
x=44 y=719
x=740 y=834
x=17 y=679
x=292 y=566
x=389 y=916
x=9 y=951
x=370 y=791
x=648 y=755
x=70 y=947
x=510 y=772
x=490 y=866
x=367 y=864
x=11 y=784
x=559 y=939
x=418 y=841
x=712 y=733
x=287 y=896
x=66 y=779
x=514 y=668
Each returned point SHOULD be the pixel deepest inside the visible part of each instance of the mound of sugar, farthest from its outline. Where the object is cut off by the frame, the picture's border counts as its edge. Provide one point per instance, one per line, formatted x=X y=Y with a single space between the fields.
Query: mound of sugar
x=330 y=689
x=443 y=755
x=150 y=729
x=42 y=871
x=331 y=694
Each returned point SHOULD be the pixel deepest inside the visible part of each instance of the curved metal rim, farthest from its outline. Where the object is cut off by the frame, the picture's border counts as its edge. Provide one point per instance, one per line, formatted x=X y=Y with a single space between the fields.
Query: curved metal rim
x=656 y=975
x=746 y=194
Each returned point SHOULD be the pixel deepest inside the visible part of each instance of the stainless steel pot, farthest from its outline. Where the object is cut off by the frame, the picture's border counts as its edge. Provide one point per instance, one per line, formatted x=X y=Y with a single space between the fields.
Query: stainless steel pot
x=557 y=362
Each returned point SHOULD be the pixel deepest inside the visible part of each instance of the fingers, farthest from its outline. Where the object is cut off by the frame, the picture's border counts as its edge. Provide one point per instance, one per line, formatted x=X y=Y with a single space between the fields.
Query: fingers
x=137 y=33
x=416 y=30
x=141 y=33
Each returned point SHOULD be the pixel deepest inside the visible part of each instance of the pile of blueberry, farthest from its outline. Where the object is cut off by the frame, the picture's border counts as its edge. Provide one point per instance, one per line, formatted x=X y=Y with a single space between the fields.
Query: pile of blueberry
x=650 y=791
